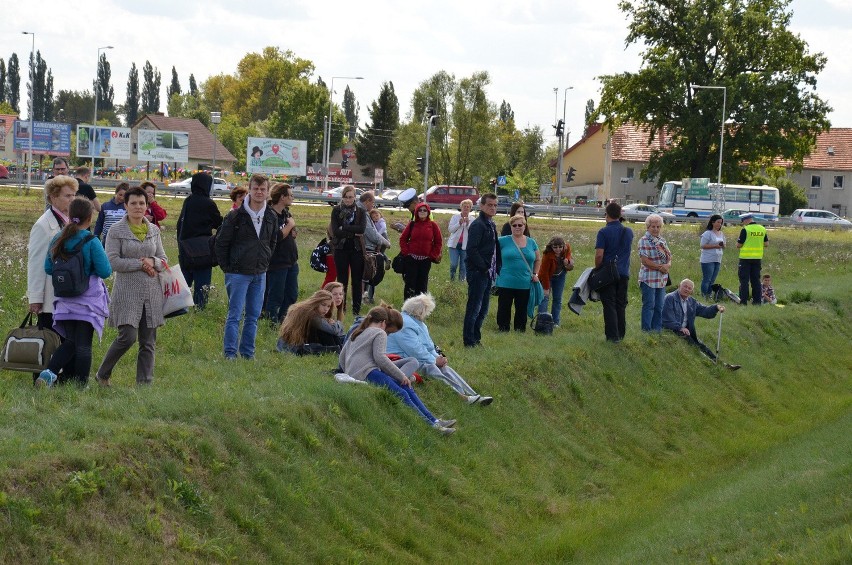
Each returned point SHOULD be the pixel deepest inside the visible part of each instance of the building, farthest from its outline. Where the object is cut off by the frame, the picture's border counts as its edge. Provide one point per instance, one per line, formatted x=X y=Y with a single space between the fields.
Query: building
x=201 y=141
x=826 y=173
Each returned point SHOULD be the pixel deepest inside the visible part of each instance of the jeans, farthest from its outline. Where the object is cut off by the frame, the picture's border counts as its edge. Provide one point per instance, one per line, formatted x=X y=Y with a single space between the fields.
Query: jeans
x=709 y=272
x=478 y=297
x=749 y=272
x=405 y=393
x=202 y=279
x=557 y=286
x=652 y=308
x=76 y=350
x=457 y=258
x=614 y=302
x=505 y=298
x=245 y=293
x=283 y=291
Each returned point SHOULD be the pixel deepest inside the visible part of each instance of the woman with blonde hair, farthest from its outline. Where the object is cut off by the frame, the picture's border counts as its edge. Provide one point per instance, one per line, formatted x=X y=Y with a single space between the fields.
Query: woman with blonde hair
x=306 y=323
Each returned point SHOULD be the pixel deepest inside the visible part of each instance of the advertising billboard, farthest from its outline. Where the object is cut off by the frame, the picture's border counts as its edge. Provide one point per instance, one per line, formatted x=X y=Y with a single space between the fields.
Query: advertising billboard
x=276 y=156
x=159 y=145
x=103 y=142
x=49 y=138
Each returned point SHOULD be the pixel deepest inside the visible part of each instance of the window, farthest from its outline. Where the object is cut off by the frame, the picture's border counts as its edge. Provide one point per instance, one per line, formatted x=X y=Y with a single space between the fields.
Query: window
x=838 y=182
x=816 y=181
x=630 y=172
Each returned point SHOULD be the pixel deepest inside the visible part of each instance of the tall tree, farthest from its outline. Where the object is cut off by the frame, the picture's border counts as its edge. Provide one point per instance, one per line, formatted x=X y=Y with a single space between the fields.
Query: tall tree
x=150 y=89
x=174 y=87
x=375 y=141
x=589 y=118
x=299 y=115
x=2 y=80
x=193 y=87
x=131 y=103
x=13 y=83
x=36 y=87
x=350 y=110
x=506 y=113
x=48 y=107
x=745 y=47
x=103 y=88
x=77 y=106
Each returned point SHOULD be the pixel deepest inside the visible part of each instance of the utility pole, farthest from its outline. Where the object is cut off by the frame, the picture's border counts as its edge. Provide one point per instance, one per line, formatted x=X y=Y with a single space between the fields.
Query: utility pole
x=430 y=113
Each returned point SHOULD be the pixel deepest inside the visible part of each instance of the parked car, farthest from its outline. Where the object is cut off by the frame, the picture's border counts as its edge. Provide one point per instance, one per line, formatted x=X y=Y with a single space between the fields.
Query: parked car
x=638 y=213
x=732 y=216
x=445 y=194
x=819 y=217
x=180 y=187
x=390 y=194
x=221 y=187
x=332 y=195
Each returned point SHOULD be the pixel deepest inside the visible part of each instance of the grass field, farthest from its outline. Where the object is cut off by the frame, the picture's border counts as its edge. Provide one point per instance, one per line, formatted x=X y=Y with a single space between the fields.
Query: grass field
x=641 y=452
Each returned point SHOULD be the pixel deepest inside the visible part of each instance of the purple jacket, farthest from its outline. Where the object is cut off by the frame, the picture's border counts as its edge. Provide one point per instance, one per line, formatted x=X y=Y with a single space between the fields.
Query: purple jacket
x=92 y=306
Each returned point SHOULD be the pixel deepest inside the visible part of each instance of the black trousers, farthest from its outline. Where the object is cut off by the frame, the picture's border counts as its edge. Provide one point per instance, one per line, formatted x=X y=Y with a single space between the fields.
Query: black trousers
x=416 y=276
x=614 y=302
x=347 y=260
x=74 y=355
x=749 y=272
x=505 y=297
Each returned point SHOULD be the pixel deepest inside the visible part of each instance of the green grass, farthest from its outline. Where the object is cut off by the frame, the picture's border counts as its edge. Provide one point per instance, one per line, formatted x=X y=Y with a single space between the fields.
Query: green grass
x=642 y=452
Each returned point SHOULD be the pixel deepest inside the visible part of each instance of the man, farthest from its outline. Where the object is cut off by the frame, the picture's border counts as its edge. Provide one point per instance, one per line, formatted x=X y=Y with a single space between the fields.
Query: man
x=199 y=216
x=408 y=200
x=59 y=167
x=751 y=243
x=83 y=174
x=282 y=276
x=111 y=212
x=679 y=311
x=244 y=247
x=482 y=262
x=614 y=242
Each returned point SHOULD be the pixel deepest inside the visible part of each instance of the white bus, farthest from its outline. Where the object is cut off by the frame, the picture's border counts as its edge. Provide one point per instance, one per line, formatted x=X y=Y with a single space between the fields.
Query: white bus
x=697 y=202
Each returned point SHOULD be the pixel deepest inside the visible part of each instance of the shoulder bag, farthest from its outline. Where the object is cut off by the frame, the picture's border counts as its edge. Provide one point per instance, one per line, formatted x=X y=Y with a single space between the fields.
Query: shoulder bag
x=28 y=348
x=607 y=273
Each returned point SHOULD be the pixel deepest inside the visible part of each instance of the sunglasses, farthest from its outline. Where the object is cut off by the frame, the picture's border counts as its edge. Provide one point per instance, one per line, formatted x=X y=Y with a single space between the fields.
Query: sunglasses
x=518 y=225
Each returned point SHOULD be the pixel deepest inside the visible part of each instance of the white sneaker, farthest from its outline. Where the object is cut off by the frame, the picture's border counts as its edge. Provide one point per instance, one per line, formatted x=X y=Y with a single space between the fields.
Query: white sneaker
x=344 y=378
x=446 y=423
x=442 y=430
x=472 y=399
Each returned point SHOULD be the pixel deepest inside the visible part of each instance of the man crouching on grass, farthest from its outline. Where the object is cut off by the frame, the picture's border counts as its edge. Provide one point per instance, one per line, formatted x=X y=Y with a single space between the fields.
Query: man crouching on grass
x=679 y=311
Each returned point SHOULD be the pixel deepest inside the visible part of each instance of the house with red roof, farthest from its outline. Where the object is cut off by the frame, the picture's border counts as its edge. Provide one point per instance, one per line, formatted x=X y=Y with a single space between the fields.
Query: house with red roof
x=201 y=142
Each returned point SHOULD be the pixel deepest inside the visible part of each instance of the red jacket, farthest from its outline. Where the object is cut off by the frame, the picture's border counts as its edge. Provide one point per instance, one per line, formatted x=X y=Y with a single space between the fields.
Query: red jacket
x=548 y=265
x=421 y=237
x=156 y=212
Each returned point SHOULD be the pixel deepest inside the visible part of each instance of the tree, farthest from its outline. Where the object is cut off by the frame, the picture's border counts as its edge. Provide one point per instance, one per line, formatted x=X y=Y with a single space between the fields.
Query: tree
x=188 y=106
x=6 y=108
x=77 y=106
x=131 y=104
x=174 y=87
x=2 y=80
x=589 y=118
x=299 y=115
x=506 y=113
x=13 y=83
x=47 y=105
x=103 y=88
x=792 y=195
x=193 y=88
x=37 y=89
x=772 y=105
x=375 y=141
x=150 y=89
x=350 y=110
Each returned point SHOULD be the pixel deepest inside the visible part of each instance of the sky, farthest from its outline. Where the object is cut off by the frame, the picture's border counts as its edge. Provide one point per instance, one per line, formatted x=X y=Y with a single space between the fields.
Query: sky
x=529 y=48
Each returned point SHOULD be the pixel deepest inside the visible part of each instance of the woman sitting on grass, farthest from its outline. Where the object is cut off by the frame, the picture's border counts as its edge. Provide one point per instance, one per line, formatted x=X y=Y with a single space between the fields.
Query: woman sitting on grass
x=338 y=308
x=363 y=358
x=306 y=324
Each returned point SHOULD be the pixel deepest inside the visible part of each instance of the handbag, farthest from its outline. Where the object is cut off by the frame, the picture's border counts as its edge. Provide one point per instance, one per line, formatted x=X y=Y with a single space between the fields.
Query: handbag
x=370 y=266
x=197 y=252
x=28 y=348
x=607 y=273
x=176 y=293
x=536 y=290
x=398 y=263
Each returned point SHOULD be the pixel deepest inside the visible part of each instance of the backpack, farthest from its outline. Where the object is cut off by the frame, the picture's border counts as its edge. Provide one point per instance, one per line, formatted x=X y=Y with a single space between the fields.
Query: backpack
x=69 y=275
x=318 y=256
x=542 y=324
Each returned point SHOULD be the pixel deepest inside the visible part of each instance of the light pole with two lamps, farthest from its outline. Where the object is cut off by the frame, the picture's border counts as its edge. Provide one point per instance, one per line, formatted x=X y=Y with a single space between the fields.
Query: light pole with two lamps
x=724 y=89
x=97 y=90
x=32 y=108
x=328 y=132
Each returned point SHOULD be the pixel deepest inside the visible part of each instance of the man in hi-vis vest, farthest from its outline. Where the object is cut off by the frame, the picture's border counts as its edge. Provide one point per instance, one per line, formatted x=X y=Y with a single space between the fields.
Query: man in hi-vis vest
x=751 y=243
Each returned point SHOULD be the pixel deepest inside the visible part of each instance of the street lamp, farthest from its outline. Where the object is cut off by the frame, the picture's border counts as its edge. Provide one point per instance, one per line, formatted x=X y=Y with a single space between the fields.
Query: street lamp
x=430 y=112
x=559 y=134
x=32 y=108
x=722 y=134
x=215 y=119
x=328 y=133
x=97 y=92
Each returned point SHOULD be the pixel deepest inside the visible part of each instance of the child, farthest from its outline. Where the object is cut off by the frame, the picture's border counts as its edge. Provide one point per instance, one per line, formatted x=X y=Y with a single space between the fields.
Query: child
x=306 y=323
x=76 y=318
x=767 y=292
x=379 y=222
x=556 y=261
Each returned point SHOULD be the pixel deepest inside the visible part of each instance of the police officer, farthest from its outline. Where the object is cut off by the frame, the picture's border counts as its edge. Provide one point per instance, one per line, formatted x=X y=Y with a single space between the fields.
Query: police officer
x=751 y=243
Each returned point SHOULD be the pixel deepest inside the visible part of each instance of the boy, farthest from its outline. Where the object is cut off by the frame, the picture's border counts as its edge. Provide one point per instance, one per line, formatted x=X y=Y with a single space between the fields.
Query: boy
x=767 y=292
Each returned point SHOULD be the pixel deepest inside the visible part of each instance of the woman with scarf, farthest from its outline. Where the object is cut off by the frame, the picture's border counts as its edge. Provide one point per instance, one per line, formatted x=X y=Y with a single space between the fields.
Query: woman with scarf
x=348 y=221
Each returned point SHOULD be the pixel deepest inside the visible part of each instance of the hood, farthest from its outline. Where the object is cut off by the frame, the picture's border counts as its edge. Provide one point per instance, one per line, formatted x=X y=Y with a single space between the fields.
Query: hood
x=201 y=184
x=417 y=209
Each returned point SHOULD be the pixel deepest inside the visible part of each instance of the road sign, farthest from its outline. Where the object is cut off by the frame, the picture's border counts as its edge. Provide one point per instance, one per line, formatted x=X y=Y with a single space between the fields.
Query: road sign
x=501 y=180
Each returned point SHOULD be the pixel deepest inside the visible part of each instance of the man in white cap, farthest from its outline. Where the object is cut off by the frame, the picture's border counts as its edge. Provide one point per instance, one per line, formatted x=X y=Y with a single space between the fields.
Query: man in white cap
x=751 y=243
x=407 y=199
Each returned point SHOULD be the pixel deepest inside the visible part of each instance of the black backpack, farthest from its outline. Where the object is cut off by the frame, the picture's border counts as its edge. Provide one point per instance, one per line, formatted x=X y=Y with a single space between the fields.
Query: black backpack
x=318 y=256
x=542 y=324
x=69 y=275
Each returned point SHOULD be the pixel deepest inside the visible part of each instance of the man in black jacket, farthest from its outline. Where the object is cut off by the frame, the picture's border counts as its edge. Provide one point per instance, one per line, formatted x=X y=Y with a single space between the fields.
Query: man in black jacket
x=482 y=262
x=244 y=246
x=198 y=218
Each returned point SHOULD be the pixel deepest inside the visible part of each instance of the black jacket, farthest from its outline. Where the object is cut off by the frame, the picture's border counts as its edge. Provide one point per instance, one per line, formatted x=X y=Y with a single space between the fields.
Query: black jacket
x=238 y=247
x=199 y=215
x=481 y=244
x=286 y=253
x=343 y=232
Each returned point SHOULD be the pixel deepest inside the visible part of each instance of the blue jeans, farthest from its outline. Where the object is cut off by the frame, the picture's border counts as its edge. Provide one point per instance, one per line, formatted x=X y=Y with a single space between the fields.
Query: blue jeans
x=405 y=393
x=652 y=308
x=709 y=272
x=457 y=257
x=283 y=287
x=557 y=286
x=245 y=294
x=478 y=297
x=201 y=278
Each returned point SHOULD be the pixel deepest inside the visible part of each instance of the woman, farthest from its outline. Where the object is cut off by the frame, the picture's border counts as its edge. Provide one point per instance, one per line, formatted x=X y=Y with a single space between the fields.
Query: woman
x=238 y=194
x=76 y=318
x=347 y=222
x=656 y=260
x=556 y=261
x=363 y=358
x=712 y=246
x=282 y=275
x=199 y=216
x=338 y=305
x=420 y=244
x=413 y=340
x=457 y=242
x=155 y=213
x=517 y=208
x=136 y=254
x=521 y=262
x=307 y=323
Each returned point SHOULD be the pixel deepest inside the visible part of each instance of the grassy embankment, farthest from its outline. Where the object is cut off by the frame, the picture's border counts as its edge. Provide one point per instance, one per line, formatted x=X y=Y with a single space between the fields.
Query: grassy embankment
x=640 y=452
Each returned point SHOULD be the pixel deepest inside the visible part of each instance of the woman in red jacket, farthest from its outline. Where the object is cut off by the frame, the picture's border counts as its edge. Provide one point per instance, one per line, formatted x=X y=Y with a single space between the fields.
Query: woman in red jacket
x=155 y=212
x=420 y=244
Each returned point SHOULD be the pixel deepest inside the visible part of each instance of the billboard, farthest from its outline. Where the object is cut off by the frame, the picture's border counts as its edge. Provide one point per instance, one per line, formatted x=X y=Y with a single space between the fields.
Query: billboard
x=159 y=145
x=103 y=142
x=276 y=156
x=50 y=138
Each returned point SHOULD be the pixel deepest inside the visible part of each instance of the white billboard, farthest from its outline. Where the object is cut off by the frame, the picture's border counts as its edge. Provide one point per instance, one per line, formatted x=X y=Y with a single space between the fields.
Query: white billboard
x=159 y=145
x=103 y=142
x=276 y=156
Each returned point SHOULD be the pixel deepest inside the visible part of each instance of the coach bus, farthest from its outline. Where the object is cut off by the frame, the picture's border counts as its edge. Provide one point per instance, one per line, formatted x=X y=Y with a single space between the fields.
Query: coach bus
x=697 y=201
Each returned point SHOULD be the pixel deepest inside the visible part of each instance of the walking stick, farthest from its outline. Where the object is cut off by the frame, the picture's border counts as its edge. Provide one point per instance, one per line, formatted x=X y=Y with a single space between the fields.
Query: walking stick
x=719 y=338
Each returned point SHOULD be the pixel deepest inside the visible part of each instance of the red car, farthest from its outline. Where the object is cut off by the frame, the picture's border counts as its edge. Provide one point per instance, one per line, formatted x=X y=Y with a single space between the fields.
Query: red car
x=444 y=194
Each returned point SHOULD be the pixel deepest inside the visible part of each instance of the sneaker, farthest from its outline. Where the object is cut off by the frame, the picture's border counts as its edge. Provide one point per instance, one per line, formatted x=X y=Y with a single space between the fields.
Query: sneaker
x=731 y=367
x=46 y=379
x=485 y=400
x=446 y=423
x=473 y=399
x=442 y=430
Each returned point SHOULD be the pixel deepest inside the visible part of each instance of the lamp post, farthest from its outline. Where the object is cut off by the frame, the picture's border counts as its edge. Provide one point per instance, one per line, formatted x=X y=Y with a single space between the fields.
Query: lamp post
x=215 y=119
x=559 y=135
x=97 y=92
x=430 y=112
x=328 y=132
x=32 y=109
x=721 y=138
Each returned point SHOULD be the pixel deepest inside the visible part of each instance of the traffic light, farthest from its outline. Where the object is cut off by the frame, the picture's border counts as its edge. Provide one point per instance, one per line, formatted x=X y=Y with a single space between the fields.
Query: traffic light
x=420 y=165
x=569 y=176
x=560 y=128
x=344 y=163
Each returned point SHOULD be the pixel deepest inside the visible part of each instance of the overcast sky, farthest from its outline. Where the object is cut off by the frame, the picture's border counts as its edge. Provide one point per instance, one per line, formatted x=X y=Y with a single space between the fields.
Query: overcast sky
x=528 y=48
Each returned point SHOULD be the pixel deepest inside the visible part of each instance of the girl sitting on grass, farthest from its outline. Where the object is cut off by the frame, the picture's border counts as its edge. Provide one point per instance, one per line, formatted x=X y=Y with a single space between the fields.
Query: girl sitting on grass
x=306 y=324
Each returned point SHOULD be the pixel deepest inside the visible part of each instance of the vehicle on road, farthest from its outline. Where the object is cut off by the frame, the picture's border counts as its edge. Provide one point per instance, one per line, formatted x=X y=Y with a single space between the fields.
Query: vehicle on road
x=696 y=200
x=445 y=194
x=638 y=212
x=221 y=187
x=819 y=217
x=390 y=194
x=332 y=195
x=733 y=216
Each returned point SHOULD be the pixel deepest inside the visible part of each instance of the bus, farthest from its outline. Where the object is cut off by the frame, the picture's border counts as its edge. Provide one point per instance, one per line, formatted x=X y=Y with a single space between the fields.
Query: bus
x=697 y=200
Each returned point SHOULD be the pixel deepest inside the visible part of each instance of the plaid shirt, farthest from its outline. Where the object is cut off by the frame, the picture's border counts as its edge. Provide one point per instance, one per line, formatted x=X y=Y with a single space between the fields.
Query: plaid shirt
x=655 y=249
